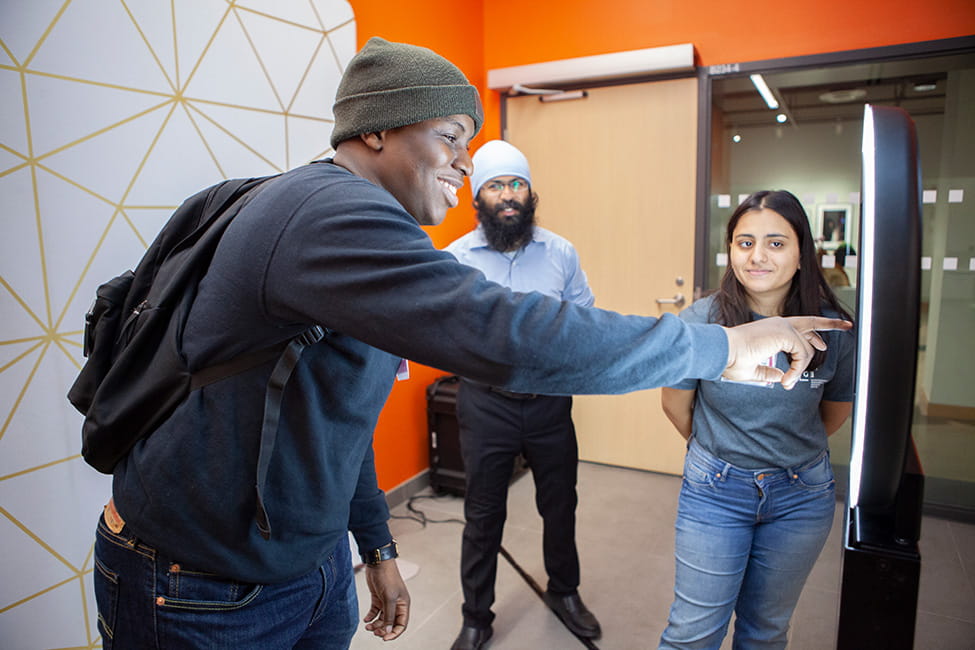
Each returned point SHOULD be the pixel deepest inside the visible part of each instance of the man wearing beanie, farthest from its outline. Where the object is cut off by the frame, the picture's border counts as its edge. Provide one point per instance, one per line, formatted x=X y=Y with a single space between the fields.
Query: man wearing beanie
x=497 y=425
x=218 y=536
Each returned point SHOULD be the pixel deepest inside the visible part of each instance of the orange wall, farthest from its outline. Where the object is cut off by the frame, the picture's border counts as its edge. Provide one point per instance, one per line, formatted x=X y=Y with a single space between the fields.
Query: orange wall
x=479 y=35
x=722 y=31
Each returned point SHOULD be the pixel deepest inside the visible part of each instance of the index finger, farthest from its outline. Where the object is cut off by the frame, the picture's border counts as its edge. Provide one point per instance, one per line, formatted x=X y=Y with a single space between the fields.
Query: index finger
x=807 y=324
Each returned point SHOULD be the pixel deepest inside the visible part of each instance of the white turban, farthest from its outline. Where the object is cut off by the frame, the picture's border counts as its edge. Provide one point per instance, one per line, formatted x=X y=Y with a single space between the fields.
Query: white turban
x=498 y=158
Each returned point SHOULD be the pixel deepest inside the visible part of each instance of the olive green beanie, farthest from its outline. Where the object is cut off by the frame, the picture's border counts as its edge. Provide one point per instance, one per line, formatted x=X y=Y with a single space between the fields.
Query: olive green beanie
x=387 y=85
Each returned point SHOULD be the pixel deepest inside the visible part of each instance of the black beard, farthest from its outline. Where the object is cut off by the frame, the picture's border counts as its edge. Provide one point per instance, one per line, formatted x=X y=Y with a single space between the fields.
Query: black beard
x=510 y=235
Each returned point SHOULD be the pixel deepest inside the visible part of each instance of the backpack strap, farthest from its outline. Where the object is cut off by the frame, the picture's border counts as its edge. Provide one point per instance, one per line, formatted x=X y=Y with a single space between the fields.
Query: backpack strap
x=235 y=366
x=272 y=412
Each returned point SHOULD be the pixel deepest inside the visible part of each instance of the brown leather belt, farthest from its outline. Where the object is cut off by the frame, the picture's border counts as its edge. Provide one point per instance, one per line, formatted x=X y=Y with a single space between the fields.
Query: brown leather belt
x=113 y=519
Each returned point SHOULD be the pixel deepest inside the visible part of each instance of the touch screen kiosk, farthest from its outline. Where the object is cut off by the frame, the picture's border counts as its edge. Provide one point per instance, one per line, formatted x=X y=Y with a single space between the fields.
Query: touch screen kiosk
x=881 y=562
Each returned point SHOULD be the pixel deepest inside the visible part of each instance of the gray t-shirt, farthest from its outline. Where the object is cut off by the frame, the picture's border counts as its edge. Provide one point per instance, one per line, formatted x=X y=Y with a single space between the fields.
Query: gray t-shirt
x=758 y=426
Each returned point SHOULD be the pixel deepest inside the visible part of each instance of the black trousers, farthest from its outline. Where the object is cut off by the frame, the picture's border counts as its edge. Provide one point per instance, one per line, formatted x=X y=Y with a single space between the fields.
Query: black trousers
x=493 y=430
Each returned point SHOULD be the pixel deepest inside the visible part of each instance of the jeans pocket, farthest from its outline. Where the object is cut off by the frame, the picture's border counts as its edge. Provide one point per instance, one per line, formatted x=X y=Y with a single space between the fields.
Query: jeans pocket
x=203 y=591
x=106 y=600
x=697 y=474
x=817 y=476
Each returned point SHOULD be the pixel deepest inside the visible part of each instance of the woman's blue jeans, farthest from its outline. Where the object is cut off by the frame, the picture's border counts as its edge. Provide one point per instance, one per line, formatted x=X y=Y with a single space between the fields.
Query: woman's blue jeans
x=147 y=601
x=746 y=542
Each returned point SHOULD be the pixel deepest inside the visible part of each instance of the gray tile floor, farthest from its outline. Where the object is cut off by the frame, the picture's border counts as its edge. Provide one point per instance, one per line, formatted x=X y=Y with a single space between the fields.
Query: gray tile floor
x=625 y=538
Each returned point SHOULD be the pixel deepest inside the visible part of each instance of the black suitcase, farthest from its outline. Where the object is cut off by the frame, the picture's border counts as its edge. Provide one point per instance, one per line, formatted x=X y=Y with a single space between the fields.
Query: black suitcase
x=447 y=473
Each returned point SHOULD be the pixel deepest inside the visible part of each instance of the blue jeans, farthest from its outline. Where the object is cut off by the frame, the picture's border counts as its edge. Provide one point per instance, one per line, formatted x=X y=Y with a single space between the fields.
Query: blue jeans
x=746 y=542
x=147 y=601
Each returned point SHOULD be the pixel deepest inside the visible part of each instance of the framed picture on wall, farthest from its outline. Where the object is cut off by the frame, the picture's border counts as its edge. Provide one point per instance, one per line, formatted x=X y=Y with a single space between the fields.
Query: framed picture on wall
x=833 y=222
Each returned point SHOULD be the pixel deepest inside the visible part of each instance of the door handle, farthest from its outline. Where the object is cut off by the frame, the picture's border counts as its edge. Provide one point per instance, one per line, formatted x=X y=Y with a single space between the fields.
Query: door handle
x=676 y=301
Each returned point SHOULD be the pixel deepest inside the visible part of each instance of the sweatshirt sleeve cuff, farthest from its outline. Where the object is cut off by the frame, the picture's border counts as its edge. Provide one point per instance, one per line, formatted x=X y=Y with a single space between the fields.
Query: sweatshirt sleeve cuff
x=372 y=537
x=709 y=346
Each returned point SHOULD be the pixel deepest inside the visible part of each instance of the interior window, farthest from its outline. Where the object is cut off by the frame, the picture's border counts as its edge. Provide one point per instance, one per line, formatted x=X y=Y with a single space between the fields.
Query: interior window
x=804 y=135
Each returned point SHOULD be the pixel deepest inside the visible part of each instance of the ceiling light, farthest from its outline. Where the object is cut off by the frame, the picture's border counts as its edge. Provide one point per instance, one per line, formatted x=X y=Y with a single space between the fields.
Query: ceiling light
x=736 y=137
x=781 y=118
x=764 y=91
x=925 y=88
x=843 y=96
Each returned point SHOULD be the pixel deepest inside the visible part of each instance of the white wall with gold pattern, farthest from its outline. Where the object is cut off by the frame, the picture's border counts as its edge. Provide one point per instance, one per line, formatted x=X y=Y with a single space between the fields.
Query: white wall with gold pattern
x=113 y=111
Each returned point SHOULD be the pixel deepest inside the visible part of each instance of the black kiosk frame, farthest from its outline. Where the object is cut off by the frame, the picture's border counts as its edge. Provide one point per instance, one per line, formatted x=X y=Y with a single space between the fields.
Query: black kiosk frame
x=881 y=560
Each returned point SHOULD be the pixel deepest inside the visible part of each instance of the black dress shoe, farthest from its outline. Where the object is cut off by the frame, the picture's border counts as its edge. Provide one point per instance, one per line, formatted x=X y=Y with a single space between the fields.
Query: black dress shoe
x=574 y=614
x=471 y=638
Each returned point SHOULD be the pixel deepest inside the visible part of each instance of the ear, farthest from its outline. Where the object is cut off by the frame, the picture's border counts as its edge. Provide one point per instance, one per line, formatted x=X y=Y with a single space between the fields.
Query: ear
x=374 y=140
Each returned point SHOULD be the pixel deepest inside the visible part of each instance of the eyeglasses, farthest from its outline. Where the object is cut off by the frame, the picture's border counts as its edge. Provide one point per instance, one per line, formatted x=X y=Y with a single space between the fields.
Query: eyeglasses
x=496 y=187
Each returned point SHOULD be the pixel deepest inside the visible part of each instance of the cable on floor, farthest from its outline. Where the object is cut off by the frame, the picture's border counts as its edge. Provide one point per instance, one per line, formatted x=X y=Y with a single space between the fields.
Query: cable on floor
x=421 y=517
x=541 y=594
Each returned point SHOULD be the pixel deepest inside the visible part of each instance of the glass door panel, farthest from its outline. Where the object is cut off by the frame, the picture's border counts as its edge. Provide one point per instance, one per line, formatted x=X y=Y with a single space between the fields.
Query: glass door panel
x=810 y=145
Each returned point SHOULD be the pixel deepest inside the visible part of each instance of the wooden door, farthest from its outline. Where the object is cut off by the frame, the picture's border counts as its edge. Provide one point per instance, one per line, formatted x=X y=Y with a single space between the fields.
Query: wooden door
x=615 y=174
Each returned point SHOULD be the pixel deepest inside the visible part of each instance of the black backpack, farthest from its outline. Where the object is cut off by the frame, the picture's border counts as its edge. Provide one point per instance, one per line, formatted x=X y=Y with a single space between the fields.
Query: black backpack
x=136 y=374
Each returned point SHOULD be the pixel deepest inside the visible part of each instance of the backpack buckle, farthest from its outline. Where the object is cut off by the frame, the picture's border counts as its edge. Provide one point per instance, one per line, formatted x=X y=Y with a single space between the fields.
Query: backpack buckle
x=312 y=335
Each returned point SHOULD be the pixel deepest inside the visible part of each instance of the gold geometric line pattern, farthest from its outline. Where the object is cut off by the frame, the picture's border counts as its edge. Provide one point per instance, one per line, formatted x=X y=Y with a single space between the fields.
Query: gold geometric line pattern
x=50 y=26
x=79 y=575
x=37 y=468
x=102 y=131
x=40 y=242
x=180 y=84
x=92 y=192
x=21 y=301
x=149 y=48
x=44 y=344
x=40 y=542
x=40 y=342
x=190 y=109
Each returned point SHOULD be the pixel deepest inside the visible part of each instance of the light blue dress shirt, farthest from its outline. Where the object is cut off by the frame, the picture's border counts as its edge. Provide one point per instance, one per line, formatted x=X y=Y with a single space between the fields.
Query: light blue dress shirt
x=548 y=264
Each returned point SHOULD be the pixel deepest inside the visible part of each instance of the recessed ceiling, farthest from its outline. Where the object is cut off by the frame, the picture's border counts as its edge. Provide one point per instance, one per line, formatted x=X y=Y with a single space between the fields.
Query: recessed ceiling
x=839 y=92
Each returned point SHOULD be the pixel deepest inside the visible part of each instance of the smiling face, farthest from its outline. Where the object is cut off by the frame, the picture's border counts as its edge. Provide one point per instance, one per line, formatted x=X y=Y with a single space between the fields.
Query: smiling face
x=506 y=210
x=764 y=255
x=424 y=164
x=504 y=197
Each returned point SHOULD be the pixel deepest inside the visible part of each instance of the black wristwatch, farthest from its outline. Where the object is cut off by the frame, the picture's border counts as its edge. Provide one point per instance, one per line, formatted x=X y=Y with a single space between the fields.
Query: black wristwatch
x=377 y=555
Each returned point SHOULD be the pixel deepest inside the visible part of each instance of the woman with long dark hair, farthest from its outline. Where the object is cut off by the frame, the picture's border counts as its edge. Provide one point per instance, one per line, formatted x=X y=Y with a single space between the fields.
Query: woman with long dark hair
x=757 y=499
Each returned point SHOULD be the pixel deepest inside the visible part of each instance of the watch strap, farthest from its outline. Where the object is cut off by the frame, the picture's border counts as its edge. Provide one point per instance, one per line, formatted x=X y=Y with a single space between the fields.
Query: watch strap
x=377 y=555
